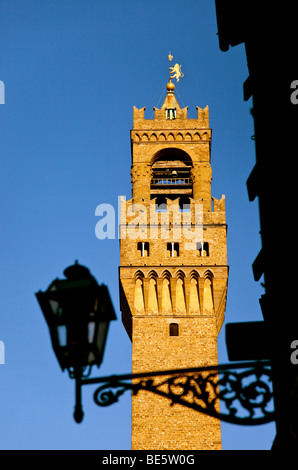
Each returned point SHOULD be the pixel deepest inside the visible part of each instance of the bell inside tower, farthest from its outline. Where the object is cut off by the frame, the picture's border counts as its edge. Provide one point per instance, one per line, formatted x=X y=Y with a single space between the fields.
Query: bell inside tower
x=171 y=177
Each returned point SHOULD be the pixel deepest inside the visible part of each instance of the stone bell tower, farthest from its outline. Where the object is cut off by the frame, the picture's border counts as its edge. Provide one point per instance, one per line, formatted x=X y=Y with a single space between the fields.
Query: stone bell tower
x=173 y=268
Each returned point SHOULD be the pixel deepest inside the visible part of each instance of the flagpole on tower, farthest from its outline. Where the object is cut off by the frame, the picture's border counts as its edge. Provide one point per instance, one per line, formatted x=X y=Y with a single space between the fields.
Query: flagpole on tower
x=170 y=57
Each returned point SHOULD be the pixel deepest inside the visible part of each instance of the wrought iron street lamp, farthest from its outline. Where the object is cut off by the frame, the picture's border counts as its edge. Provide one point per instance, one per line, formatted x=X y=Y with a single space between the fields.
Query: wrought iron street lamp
x=78 y=312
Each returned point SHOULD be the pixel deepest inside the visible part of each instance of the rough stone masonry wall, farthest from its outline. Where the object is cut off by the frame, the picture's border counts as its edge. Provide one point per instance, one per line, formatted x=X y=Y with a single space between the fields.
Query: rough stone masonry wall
x=155 y=424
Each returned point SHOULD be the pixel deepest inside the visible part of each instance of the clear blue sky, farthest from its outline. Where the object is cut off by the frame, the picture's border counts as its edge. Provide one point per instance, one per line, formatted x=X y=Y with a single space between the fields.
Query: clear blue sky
x=73 y=70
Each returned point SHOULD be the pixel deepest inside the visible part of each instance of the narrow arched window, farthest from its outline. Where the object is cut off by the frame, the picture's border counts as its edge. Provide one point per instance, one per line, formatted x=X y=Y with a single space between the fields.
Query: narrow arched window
x=174 y=329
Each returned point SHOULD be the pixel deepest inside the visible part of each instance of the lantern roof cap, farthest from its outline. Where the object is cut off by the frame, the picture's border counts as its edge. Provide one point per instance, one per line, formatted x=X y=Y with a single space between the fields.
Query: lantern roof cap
x=77 y=272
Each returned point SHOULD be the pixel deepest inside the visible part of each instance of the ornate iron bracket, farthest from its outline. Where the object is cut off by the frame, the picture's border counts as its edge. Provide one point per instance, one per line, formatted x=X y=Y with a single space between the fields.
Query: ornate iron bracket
x=235 y=393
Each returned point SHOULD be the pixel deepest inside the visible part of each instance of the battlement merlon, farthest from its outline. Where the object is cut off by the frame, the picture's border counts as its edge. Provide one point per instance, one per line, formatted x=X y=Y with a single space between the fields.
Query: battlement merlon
x=161 y=122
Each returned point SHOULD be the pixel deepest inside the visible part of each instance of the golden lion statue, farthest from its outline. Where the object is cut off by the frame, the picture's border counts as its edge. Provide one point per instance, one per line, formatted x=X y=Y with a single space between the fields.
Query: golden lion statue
x=176 y=70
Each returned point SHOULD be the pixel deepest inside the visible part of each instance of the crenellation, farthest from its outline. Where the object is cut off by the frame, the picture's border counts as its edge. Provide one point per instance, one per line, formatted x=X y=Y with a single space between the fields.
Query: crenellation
x=160 y=121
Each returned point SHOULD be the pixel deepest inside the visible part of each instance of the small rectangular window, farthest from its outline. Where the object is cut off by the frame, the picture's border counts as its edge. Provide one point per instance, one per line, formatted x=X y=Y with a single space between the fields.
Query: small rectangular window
x=143 y=248
x=172 y=249
x=171 y=113
x=203 y=249
x=174 y=329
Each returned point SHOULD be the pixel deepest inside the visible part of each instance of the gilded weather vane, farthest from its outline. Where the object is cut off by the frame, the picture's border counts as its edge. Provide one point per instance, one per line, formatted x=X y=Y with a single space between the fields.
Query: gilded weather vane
x=176 y=70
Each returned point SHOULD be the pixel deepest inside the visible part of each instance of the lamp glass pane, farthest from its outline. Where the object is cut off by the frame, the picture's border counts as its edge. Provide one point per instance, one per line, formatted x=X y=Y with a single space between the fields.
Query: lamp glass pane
x=91 y=357
x=91 y=331
x=62 y=335
x=54 y=306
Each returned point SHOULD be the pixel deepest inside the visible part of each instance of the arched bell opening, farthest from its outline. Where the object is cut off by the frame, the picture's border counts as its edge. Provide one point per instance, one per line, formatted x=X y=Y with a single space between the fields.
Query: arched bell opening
x=171 y=177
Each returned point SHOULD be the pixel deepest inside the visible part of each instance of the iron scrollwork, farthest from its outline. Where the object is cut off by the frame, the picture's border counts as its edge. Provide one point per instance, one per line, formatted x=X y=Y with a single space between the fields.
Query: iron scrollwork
x=238 y=394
